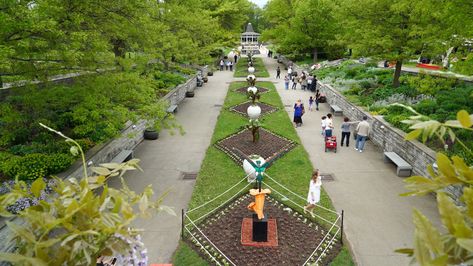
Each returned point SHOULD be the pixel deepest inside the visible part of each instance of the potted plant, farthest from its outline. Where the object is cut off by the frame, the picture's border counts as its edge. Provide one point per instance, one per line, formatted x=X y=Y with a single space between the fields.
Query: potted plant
x=154 y=115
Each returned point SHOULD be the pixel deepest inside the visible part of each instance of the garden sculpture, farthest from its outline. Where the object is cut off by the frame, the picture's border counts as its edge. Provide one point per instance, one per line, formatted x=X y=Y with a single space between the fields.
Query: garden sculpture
x=258 y=205
x=259 y=168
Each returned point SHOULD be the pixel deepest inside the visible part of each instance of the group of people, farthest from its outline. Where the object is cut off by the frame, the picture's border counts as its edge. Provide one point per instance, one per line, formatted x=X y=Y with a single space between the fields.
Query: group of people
x=227 y=64
x=362 y=132
x=306 y=81
x=299 y=109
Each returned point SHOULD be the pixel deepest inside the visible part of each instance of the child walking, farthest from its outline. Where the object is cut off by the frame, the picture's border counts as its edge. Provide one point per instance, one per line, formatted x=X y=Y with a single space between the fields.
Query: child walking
x=313 y=196
x=323 y=124
x=311 y=102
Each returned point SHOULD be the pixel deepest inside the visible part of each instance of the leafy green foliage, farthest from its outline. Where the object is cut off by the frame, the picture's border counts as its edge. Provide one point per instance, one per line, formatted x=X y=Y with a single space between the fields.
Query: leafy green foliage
x=454 y=246
x=81 y=221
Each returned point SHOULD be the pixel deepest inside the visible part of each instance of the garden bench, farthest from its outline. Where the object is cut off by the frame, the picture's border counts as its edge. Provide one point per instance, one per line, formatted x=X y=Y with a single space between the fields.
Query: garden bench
x=336 y=110
x=172 y=109
x=403 y=167
x=123 y=156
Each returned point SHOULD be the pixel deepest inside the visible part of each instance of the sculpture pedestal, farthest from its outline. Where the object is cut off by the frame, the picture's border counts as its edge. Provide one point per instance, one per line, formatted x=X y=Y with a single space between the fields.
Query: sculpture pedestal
x=260 y=229
x=247 y=233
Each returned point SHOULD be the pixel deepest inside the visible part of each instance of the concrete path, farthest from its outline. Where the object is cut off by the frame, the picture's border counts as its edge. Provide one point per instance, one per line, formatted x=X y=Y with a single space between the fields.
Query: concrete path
x=377 y=220
x=164 y=160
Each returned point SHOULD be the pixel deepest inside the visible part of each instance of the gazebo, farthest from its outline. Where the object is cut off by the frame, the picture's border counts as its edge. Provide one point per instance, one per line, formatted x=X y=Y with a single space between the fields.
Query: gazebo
x=249 y=41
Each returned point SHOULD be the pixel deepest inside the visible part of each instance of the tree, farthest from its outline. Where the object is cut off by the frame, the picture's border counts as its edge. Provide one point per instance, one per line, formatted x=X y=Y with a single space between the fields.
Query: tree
x=81 y=220
x=300 y=27
x=455 y=246
x=392 y=30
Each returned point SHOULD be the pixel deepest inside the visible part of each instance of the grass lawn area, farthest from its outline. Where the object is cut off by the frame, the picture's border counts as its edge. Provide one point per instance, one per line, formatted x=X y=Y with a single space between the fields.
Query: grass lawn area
x=241 y=68
x=219 y=172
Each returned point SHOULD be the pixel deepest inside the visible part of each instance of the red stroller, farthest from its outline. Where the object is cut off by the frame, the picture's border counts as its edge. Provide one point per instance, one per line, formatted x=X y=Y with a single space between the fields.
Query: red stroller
x=330 y=141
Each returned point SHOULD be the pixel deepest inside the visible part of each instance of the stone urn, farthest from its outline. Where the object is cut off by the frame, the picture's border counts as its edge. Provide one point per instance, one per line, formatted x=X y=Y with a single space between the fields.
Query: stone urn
x=253 y=111
x=252 y=89
x=249 y=169
x=251 y=70
x=251 y=76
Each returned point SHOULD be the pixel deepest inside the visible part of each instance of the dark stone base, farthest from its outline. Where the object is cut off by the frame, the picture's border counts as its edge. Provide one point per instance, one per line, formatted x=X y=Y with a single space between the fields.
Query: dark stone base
x=260 y=229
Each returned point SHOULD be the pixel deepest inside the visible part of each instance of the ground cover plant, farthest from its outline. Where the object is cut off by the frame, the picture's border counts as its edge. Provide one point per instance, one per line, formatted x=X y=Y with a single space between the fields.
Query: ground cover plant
x=241 y=68
x=220 y=172
x=93 y=109
x=436 y=97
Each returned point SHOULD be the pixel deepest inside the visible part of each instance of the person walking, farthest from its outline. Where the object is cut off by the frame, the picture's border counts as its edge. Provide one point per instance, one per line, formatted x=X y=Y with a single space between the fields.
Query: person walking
x=235 y=58
x=230 y=65
x=329 y=126
x=289 y=71
x=313 y=197
x=345 y=131
x=362 y=132
x=294 y=82
x=317 y=96
x=323 y=124
x=221 y=64
x=311 y=102
x=298 y=113
x=304 y=83
x=286 y=82
x=278 y=73
x=227 y=64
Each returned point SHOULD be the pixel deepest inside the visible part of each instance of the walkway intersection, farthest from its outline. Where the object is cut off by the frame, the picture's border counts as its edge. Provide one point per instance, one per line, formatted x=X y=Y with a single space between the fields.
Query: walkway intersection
x=377 y=220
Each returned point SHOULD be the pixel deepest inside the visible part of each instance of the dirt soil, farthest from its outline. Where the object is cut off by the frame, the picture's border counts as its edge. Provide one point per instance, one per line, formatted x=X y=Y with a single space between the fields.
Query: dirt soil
x=268 y=144
x=297 y=240
x=242 y=107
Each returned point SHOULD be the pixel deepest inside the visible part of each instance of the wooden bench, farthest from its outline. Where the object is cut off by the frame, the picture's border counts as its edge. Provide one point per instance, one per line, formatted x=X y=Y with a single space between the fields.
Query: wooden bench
x=403 y=168
x=123 y=156
x=336 y=110
x=172 y=109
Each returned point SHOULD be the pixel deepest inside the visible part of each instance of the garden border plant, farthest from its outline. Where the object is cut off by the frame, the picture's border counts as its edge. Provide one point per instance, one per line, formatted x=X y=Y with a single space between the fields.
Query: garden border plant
x=219 y=171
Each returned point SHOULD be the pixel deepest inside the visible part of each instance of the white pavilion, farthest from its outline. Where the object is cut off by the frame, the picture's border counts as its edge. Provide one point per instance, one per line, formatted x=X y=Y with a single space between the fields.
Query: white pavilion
x=249 y=41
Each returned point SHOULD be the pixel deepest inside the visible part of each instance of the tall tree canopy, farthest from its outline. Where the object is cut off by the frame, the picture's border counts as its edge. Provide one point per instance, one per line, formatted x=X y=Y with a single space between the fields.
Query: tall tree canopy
x=44 y=37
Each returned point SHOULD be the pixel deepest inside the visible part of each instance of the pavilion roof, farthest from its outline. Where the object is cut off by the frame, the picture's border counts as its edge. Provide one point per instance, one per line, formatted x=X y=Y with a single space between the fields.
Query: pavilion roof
x=249 y=30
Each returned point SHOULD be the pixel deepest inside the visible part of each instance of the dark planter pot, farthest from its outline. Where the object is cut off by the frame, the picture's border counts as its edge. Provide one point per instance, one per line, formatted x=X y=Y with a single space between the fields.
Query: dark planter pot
x=205 y=79
x=150 y=134
x=189 y=94
x=210 y=73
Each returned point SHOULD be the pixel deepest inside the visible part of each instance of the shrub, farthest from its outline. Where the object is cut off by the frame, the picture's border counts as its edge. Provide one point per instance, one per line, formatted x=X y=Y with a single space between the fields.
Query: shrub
x=58 y=163
x=430 y=85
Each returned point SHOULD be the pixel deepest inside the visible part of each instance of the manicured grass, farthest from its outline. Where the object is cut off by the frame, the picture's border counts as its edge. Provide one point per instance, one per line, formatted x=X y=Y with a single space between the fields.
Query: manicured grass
x=187 y=256
x=241 y=68
x=343 y=259
x=219 y=172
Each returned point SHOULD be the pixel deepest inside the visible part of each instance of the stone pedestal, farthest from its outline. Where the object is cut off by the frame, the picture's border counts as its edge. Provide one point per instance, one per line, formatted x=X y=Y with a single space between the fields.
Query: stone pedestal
x=260 y=229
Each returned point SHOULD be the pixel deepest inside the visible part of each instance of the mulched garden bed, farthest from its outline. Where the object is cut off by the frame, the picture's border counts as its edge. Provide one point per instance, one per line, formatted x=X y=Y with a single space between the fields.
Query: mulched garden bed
x=245 y=90
x=241 y=108
x=268 y=144
x=297 y=236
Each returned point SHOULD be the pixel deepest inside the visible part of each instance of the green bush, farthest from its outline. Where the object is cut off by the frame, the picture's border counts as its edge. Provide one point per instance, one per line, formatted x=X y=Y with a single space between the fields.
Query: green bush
x=465 y=67
x=35 y=165
x=58 y=163
x=430 y=85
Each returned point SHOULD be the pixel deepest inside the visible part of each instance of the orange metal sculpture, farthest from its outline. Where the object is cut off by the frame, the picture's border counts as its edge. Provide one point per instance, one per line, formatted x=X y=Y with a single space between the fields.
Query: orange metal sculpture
x=258 y=205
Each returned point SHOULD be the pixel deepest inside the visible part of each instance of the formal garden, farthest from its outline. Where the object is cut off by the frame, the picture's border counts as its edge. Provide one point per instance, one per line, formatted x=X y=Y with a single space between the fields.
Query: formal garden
x=77 y=76
x=220 y=194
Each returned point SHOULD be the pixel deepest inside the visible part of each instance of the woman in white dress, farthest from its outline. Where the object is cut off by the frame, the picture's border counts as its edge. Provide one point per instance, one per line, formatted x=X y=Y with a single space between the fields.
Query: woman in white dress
x=314 y=192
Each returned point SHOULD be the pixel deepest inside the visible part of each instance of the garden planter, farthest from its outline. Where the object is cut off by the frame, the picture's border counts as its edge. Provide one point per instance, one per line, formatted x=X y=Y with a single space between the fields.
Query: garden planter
x=253 y=111
x=210 y=73
x=251 y=69
x=205 y=79
x=150 y=134
x=189 y=94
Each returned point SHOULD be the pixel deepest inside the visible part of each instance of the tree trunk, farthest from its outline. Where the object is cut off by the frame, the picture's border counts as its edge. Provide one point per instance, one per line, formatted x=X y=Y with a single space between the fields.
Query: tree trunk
x=315 y=55
x=118 y=47
x=397 y=73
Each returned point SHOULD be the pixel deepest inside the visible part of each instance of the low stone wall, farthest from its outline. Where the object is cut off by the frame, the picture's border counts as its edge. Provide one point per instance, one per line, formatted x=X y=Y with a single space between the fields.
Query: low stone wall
x=387 y=137
x=129 y=138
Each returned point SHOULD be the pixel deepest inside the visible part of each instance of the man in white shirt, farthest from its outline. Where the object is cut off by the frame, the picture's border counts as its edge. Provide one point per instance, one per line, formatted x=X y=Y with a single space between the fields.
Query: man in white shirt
x=363 y=130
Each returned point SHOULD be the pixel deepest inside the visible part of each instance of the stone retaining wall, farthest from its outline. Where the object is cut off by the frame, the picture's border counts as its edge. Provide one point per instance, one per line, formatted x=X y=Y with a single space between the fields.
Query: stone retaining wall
x=129 y=138
x=383 y=135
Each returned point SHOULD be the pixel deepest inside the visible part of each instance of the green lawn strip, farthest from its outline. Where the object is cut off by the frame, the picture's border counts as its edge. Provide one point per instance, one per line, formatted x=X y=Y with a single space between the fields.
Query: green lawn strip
x=187 y=256
x=343 y=259
x=241 y=68
x=219 y=172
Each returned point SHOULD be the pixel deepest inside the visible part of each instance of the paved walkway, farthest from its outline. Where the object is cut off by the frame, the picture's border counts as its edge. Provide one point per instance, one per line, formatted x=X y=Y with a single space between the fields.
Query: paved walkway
x=164 y=160
x=377 y=220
